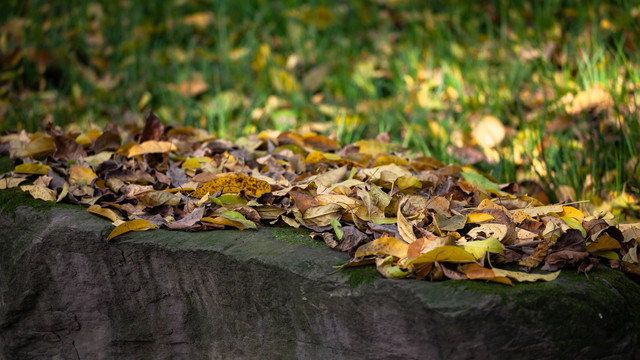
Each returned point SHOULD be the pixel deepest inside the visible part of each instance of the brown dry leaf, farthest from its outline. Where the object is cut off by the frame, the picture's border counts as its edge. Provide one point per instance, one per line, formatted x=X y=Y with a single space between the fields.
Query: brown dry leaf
x=538 y=255
x=303 y=201
x=452 y=223
x=157 y=198
x=320 y=142
x=188 y=221
x=153 y=129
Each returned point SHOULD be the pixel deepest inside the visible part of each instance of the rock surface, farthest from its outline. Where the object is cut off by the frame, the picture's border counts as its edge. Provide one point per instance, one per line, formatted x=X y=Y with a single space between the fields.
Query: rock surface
x=67 y=294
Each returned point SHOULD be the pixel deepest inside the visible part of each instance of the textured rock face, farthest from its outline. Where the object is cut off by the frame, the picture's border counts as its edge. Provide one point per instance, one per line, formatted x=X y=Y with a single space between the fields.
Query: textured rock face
x=66 y=294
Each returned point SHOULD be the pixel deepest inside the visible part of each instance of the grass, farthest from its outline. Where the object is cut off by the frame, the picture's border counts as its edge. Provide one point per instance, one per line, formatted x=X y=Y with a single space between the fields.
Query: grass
x=424 y=71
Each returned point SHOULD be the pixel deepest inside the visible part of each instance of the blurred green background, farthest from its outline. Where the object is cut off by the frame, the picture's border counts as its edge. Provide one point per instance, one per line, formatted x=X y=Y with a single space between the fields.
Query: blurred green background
x=540 y=92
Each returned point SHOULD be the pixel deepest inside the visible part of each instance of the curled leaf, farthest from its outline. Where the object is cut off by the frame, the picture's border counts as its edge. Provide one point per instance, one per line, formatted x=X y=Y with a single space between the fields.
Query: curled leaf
x=133 y=225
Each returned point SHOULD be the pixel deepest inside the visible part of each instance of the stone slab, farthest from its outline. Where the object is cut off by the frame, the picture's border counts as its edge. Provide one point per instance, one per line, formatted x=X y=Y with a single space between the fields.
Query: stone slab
x=67 y=294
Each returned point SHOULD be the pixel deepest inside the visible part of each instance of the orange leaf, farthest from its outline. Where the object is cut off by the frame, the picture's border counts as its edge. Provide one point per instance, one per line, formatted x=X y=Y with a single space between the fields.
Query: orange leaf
x=477 y=272
x=82 y=175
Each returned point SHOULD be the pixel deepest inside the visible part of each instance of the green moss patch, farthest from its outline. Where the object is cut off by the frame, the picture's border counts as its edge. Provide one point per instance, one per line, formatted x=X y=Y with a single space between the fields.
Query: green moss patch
x=297 y=236
x=11 y=199
x=6 y=165
x=360 y=275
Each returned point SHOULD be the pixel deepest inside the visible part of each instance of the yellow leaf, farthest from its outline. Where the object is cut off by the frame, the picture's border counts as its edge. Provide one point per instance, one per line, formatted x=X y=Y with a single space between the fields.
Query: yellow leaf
x=405 y=228
x=192 y=163
x=389 y=159
x=374 y=147
x=383 y=246
x=63 y=192
x=604 y=242
x=133 y=225
x=570 y=211
x=233 y=183
x=39 y=169
x=104 y=212
x=475 y=218
x=607 y=254
x=40 y=192
x=82 y=175
x=479 y=248
x=151 y=146
x=446 y=253
x=406 y=182
x=526 y=277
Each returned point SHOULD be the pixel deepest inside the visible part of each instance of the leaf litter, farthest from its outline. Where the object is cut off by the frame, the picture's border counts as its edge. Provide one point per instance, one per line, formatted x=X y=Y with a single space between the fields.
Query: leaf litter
x=410 y=215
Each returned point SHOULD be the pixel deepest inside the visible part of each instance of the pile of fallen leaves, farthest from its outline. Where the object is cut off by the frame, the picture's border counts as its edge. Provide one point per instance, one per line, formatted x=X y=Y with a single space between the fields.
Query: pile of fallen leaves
x=411 y=216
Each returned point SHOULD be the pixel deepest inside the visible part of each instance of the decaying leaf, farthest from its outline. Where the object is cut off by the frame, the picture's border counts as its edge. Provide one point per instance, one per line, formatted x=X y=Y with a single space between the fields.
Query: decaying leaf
x=233 y=184
x=40 y=192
